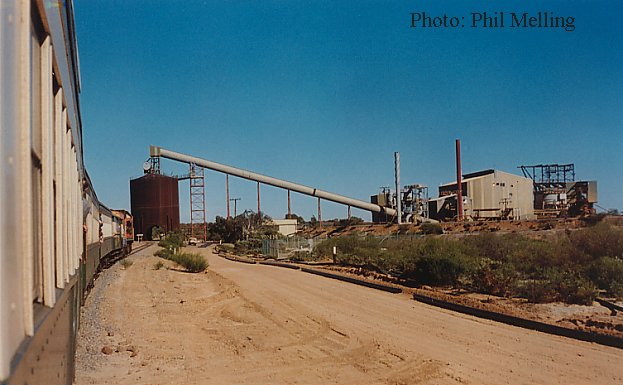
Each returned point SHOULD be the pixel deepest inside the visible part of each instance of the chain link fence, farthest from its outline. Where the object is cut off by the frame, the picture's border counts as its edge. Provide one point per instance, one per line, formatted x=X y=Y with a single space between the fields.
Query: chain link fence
x=285 y=248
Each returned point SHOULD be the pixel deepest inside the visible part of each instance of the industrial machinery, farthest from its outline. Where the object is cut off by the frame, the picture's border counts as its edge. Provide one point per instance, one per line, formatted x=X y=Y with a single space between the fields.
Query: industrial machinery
x=414 y=204
x=557 y=193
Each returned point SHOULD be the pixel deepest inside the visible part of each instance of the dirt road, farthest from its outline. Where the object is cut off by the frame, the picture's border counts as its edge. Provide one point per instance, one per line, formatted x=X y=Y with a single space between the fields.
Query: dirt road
x=255 y=324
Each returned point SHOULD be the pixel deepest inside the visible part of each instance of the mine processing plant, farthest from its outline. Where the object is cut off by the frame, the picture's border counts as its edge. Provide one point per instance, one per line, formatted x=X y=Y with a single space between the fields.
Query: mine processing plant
x=543 y=191
x=557 y=193
x=149 y=214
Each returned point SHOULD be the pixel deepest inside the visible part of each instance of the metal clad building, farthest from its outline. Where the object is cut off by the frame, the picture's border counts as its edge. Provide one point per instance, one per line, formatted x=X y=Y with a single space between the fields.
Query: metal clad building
x=155 y=202
x=494 y=194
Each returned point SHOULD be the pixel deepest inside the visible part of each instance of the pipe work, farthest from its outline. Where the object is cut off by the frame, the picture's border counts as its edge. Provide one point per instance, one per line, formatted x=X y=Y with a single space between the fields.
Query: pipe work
x=314 y=192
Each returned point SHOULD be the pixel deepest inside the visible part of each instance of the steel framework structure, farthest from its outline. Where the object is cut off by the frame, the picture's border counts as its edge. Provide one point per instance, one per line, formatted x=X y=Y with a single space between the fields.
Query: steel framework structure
x=549 y=176
x=198 y=228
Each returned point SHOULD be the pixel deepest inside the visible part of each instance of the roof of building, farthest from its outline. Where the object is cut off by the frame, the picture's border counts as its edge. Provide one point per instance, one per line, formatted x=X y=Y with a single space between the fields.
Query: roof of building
x=479 y=174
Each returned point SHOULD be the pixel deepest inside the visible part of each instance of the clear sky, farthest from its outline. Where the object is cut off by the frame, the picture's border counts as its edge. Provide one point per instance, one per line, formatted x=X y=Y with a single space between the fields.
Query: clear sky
x=323 y=92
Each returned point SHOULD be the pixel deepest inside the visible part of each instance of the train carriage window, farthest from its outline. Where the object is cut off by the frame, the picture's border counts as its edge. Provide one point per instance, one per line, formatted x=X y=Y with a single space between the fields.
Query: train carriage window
x=35 y=84
x=35 y=143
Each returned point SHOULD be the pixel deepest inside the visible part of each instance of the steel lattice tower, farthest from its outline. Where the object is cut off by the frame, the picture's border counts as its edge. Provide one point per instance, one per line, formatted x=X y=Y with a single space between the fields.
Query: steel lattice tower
x=197 y=202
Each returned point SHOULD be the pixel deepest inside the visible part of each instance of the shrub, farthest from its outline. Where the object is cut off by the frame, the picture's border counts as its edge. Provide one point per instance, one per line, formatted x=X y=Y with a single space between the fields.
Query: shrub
x=164 y=253
x=126 y=263
x=173 y=240
x=496 y=247
x=530 y=256
x=607 y=274
x=431 y=228
x=494 y=277
x=301 y=256
x=537 y=291
x=574 y=289
x=158 y=265
x=617 y=290
x=598 y=241
x=248 y=246
x=435 y=270
x=226 y=247
x=565 y=267
x=192 y=262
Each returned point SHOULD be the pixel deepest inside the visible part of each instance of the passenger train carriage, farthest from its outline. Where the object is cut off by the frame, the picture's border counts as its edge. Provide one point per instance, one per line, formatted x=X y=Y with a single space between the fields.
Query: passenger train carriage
x=54 y=232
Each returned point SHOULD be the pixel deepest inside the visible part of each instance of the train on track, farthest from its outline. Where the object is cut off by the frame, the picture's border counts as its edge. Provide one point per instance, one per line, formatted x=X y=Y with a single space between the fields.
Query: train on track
x=54 y=232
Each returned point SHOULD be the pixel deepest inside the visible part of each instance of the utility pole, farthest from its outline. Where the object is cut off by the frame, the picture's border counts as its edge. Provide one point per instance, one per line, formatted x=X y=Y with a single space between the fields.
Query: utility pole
x=235 y=200
x=227 y=194
x=319 y=214
x=289 y=210
x=258 y=199
x=398 y=196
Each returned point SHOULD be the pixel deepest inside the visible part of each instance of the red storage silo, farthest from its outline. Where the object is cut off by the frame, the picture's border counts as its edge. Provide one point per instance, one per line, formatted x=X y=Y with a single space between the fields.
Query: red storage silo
x=155 y=202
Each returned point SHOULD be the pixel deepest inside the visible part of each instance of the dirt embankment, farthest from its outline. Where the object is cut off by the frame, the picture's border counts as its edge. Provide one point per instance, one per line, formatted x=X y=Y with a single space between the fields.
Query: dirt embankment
x=254 y=324
x=536 y=228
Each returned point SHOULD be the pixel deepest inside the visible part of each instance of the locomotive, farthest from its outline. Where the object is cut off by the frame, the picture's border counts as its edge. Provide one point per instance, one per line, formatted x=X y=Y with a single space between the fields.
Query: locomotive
x=54 y=231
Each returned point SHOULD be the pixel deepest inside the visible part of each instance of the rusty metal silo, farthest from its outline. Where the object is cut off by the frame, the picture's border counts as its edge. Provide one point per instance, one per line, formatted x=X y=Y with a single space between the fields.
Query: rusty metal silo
x=155 y=202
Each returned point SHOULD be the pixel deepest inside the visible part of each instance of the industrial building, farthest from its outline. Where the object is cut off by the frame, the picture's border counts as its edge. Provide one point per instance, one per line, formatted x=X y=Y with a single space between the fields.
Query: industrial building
x=488 y=194
x=543 y=190
x=557 y=193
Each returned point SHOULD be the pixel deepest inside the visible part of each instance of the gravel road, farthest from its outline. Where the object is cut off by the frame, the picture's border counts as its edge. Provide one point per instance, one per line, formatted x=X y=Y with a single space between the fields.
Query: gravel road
x=255 y=324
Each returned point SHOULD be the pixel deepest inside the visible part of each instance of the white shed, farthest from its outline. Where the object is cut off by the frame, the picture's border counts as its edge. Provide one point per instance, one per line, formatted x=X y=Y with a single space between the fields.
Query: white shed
x=286 y=226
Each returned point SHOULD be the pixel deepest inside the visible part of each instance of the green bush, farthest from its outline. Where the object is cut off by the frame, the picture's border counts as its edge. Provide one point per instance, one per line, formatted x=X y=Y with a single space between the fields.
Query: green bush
x=164 y=253
x=173 y=240
x=249 y=246
x=435 y=270
x=601 y=240
x=226 y=247
x=574 y=289
x=302 y=256
x=537 y=291
x=431 y=228
x=494 y=277
x=192 y=262
x=565 y=267
x=607 y=274
x=126 y=263
x=348 y=246
x=617 y=290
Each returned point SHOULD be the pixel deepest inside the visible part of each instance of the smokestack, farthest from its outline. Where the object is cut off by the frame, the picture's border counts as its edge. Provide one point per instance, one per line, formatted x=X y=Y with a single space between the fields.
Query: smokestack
x=459 y=182
x=398 y=197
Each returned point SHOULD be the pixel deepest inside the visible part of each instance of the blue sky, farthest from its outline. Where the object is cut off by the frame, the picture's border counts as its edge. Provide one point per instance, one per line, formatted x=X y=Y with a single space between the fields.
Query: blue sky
x=323 y=92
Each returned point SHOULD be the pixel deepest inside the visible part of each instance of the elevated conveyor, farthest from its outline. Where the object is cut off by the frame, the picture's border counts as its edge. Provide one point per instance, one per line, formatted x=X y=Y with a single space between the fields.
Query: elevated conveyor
x=155 y=151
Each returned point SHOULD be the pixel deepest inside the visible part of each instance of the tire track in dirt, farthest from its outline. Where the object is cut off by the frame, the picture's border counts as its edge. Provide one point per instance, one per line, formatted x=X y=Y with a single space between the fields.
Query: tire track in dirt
x=255 y=324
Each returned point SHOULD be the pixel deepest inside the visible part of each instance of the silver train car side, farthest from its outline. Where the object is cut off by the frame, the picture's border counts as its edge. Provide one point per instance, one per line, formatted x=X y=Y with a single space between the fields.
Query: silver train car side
x=54 y=232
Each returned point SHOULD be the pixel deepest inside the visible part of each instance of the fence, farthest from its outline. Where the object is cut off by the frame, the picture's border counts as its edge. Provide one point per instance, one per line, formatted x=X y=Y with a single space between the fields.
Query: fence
x=285 y=248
